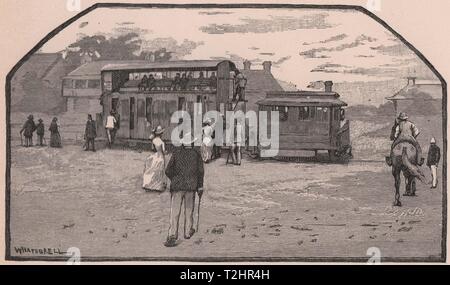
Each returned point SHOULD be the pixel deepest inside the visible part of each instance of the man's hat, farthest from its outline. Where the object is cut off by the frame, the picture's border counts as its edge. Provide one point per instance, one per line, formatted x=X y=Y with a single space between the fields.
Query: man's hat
x=188 y=139
x=40 y=120
x=433 y=140
x=403 y=116
x=158 y=130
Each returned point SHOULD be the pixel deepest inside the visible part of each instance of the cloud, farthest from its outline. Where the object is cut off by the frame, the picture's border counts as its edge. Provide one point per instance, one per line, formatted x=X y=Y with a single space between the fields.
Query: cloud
x=273 y=24
x=364 y=56
x=314 y=53
x=332 y=39
x=281 y=60
x=212 y=13
x=178 y=50
x=267 y=53
x=330 y=68
x=393 y=50
x=126 y=29
x=125 y=23
x=254 y=48
x=237 y=58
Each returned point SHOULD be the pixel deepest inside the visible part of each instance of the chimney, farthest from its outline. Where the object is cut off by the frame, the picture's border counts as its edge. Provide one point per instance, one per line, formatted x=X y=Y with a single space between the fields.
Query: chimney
x=267 y=65
x=412 y=80
x=247 y=65
x=328 y=86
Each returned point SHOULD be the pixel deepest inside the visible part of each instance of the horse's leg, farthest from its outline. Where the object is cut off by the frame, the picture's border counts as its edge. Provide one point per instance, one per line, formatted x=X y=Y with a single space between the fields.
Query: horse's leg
x=396 y=173
x=407 y=185
x=413 y=186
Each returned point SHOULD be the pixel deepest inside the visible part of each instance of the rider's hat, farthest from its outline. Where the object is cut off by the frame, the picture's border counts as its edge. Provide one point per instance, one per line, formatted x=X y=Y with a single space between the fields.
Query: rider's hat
x=403 y=116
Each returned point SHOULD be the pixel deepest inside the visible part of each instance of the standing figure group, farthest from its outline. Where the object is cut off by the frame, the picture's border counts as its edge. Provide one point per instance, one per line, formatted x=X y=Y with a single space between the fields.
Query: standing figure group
x=30 y=127
x=185 y=171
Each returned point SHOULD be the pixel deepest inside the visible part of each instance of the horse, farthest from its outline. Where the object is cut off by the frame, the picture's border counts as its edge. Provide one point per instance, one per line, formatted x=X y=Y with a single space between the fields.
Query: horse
x=403 y=159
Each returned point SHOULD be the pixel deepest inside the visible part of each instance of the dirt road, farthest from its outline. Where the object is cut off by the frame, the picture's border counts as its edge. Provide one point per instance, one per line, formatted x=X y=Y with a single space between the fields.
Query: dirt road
x=63 y=198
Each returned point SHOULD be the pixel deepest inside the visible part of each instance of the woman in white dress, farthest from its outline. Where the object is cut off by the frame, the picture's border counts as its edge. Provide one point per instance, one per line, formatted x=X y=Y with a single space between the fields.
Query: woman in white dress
x=154 y=178
x=208 y=142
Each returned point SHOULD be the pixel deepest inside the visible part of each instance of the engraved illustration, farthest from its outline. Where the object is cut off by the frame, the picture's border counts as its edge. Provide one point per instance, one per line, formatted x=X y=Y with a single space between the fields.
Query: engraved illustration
x=226 y=133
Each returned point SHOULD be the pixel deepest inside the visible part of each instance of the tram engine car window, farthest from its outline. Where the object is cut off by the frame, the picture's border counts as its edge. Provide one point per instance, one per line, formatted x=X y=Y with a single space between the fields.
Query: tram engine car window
x=284 y=113
x=303 y=113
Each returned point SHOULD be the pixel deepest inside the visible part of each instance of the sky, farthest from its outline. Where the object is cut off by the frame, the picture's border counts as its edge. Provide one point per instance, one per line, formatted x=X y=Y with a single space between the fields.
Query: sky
x=304 y=45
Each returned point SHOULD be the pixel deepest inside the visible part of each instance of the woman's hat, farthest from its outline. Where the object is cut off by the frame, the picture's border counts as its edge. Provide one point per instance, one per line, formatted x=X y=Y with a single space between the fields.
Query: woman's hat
x=208 y=121
x=433 y=140
x=403 y=116
x=55 y=119
x=158 y=130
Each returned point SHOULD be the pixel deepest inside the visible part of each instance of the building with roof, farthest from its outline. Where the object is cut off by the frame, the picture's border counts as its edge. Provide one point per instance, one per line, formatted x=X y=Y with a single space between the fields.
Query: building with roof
x=36 y=85
x=259 y=82
x=418 y=98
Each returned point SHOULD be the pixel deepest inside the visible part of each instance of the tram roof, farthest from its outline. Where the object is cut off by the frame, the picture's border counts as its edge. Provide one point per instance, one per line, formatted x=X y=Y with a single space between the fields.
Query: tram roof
x=302 y=98
x=168 y=65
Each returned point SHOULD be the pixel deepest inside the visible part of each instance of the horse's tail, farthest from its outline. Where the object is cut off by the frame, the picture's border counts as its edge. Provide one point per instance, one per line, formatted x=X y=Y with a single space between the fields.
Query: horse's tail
x=413 y=169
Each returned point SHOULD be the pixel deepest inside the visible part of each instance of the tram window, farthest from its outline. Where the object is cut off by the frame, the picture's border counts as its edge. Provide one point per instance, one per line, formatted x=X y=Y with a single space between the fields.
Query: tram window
x=303 y=113
x=336 y=114
x=312 y=113
x=181 y=103
x=148 y=109
x=322 y=114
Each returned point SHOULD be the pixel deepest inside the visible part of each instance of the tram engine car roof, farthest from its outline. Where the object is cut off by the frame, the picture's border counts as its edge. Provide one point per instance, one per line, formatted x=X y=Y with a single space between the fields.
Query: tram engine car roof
x=303 y=98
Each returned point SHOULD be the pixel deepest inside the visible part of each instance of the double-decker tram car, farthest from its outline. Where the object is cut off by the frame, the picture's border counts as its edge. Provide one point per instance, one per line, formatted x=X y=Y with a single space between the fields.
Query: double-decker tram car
x=146 y=94
x=308 y=121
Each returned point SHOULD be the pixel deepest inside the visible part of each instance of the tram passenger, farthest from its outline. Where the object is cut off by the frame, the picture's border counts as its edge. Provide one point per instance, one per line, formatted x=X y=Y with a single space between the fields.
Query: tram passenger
x=240 y=82
x=176 y=82
x=151 y=82
x=213 y=81
x=184 y=82
x=143 y=84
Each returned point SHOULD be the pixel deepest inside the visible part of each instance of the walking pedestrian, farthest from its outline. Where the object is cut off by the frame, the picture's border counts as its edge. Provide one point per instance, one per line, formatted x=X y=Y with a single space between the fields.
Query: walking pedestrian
x=28 y=128
x=40 y=130
x=110 y=123
x=55 y=137
x=186 y=173
x=434 y=155
x=90 y=134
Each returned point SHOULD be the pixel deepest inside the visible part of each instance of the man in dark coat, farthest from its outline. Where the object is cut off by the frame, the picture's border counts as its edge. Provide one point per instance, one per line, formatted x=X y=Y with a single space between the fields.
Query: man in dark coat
x=90 y=133
x=185 y=171
x=28 y=128
x=40 y=130
x=434 y=155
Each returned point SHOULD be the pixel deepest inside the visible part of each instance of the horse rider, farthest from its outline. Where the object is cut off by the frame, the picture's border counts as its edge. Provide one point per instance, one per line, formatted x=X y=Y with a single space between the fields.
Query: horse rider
x=405 y=131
